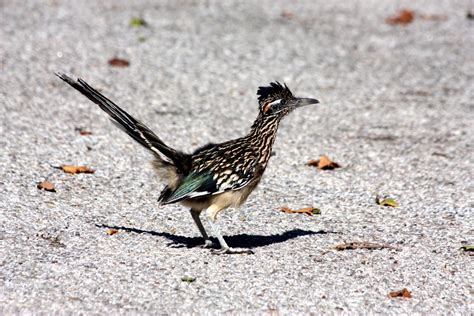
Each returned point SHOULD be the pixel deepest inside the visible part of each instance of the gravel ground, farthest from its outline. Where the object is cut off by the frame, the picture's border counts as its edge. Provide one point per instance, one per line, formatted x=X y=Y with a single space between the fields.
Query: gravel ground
x=396 y=106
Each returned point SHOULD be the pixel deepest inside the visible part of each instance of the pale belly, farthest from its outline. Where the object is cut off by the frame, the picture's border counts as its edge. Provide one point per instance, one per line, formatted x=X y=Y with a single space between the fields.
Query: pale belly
x=221 y=201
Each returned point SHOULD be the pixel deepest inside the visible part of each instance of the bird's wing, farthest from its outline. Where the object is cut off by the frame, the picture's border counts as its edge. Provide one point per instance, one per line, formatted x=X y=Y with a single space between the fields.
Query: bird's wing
x=191 y=186
x=204 y=184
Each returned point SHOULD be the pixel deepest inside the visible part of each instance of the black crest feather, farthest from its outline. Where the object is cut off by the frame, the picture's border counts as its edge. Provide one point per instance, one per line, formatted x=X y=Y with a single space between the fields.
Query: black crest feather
x=273 y=92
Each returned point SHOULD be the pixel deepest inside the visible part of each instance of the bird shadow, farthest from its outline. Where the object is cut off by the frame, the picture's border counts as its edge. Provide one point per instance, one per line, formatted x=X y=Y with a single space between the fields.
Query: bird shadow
x=239 y=241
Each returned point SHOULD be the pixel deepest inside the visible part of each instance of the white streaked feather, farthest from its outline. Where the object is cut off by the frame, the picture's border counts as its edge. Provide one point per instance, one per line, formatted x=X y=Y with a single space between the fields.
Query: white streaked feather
x=275 y=102
x=198 y=193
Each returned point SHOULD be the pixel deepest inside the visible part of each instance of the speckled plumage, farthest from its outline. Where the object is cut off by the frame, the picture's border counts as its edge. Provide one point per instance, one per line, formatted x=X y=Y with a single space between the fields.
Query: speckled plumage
x=216 y=176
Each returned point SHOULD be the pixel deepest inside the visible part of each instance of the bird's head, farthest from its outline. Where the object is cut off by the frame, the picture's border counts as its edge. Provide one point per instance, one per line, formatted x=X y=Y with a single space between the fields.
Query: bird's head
x=277 y=99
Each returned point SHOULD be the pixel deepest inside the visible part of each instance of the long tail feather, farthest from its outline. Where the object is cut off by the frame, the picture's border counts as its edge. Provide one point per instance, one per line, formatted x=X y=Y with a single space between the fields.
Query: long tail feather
x=137 y=130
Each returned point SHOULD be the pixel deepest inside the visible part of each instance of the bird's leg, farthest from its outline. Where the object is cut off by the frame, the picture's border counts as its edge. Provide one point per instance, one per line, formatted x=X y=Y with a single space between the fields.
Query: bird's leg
x=211 y=213
x=197 y=220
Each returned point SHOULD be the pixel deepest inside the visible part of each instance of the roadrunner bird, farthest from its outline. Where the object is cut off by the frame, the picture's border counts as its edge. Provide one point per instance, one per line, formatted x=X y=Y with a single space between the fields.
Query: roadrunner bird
x=215 y=176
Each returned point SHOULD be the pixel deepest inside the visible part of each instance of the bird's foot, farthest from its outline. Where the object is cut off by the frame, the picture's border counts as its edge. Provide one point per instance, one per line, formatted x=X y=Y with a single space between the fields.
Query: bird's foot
x=232 y=251
x=207 y=244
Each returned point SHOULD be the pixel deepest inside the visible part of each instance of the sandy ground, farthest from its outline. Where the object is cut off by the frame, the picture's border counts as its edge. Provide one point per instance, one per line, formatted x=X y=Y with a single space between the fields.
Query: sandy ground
x=396 y=112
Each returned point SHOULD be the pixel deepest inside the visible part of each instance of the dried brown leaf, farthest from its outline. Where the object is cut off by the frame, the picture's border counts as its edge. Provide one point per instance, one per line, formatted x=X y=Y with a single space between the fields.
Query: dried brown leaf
x=188 y=279
x=287 y=14
x=137 y=21
x=323 y=163
x=386 y=201
x=54 y=240
x=402 y=293
x=76 y=169
x=306 y=210
x=468 y=248
x=119 y=62
x=46 y=185
x=403 y=16
x=111 y=231
x=363 y=245
x=83 y=131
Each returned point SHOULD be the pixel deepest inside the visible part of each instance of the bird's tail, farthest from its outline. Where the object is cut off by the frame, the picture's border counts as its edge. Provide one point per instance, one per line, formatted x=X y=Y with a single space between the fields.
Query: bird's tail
x=137 y=130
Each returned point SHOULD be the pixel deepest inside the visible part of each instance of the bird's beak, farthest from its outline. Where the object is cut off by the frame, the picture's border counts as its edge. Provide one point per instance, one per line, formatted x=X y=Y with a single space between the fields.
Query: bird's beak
x=305 y=101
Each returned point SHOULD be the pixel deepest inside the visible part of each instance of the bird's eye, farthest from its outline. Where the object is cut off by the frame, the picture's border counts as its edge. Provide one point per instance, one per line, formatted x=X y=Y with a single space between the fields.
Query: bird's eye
x=267 y=106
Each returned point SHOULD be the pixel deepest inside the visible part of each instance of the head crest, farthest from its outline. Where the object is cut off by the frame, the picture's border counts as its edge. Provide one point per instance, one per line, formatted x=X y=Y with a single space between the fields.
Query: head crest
x=273 y=92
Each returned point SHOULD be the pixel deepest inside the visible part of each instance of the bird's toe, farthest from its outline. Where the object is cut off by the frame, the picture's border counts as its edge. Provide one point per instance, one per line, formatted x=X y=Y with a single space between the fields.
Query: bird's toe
x=232 y=251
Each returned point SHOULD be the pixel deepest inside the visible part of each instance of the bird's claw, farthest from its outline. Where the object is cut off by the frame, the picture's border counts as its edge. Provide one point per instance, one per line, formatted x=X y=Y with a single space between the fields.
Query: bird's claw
x=232 y=251
x=207 y=244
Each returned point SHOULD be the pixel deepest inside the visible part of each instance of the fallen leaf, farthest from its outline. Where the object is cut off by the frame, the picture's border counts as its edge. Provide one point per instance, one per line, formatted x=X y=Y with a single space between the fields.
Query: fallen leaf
x=316 y=211
x=111 y=231
x=138 y=22
x=46 y=185
x=402 y=293
x=119 y=62
x=287 y=14
x=403 y=16
x=307 y=210
x=433 y=17
x=363 y=245
x=54 y=240
x=76 y=169
x=83 y=131
x=188 y=279
x=386 y=201
x=468 y=248
x=324 y=163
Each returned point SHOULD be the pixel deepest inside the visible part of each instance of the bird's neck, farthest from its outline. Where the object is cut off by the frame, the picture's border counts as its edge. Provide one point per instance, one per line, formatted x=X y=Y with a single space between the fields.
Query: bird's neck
x=262 y=135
